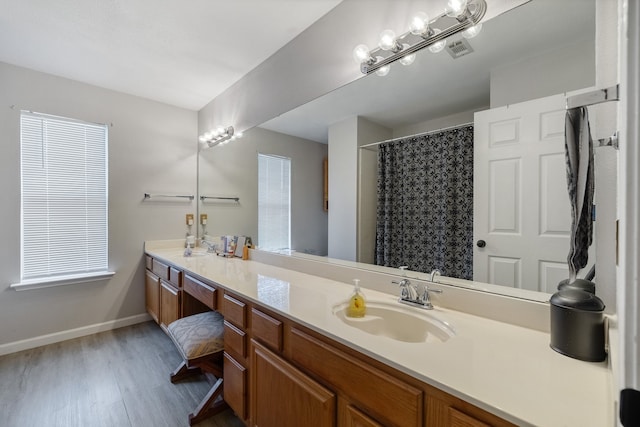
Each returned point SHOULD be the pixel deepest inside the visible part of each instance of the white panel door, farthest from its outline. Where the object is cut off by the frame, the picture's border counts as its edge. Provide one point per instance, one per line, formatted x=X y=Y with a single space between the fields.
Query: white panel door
x=521 y=205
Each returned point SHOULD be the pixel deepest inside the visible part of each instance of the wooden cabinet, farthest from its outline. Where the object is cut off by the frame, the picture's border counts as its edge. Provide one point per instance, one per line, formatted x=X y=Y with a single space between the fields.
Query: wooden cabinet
x=460 y=419
x=283 y=396
x=266 y=329
x=203 y=292
x=169 y=303
x=385 y=398
x=235 y=386
x=163 y=293
x=280 y=373
x=152 y=295
x=350 y=416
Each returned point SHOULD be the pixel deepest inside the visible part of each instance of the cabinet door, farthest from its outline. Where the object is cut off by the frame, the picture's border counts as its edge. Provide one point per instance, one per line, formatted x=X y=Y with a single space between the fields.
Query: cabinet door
x=353 y=417
x=169 y=303
x=283 y=396
x=152 y=295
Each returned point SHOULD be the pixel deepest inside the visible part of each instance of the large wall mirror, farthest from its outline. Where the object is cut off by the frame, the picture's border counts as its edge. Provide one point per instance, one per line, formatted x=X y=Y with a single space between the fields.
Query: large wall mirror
x=541 y=48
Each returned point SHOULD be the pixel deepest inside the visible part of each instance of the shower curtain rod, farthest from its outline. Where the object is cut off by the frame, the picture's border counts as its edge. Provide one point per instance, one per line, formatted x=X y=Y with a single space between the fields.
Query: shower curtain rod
x=373 y=144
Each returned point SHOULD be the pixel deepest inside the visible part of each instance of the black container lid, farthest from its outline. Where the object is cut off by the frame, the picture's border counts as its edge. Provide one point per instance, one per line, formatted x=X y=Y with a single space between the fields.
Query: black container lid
x=578 y=299
x=585 y=285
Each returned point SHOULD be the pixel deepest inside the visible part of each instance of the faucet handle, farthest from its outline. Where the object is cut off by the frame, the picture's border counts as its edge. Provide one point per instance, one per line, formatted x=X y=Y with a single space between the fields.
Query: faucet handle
x=425 y=299
x=407 y=290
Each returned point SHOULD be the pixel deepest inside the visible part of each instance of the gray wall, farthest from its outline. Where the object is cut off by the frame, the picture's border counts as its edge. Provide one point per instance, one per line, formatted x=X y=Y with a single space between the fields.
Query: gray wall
x=232 y=170
x=556 y=71
x=316 y=62
x=351 y=220
x=151 y=149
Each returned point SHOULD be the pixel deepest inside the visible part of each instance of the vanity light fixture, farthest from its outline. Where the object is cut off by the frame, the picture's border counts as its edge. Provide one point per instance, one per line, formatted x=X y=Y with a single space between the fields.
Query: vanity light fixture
x=219 y=136
x=459 y=16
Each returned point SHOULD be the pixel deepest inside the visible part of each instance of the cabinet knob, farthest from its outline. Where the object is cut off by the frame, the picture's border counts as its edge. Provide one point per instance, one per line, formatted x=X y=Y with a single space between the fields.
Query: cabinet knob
x=481 y=243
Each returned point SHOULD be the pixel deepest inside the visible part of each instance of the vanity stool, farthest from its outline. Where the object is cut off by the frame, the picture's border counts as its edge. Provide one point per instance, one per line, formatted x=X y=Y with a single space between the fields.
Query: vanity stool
x=199 y=338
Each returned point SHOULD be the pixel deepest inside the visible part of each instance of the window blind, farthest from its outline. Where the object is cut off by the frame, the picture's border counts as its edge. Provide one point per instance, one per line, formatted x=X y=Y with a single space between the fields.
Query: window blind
x=274 y=202
x=64 y=197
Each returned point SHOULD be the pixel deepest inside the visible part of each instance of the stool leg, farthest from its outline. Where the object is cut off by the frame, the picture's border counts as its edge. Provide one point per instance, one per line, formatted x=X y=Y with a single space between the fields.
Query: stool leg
x=209 y=407
x=183 y=371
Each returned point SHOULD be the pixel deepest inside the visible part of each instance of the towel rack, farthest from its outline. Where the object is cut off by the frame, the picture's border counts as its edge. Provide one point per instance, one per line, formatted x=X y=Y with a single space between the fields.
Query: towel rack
x=611 y=141
x=235 y=199
x=149 y=196
x=594 y=97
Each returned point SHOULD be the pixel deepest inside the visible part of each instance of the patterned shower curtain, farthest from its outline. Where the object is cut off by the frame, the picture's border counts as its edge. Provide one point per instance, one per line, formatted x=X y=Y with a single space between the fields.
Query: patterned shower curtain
x=425 y=203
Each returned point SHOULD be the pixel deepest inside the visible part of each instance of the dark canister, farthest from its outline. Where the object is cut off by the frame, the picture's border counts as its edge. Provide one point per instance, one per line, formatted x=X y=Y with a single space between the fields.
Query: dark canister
x=583 y=284
x=577 y=325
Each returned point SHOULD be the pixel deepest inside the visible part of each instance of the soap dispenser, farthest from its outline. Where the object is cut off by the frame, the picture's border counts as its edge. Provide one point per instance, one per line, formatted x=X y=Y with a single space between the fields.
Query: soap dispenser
x=357 y=302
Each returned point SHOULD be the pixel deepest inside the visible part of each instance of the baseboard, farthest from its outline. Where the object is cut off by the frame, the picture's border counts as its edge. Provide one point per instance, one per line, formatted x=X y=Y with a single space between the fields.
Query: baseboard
x=29 y=343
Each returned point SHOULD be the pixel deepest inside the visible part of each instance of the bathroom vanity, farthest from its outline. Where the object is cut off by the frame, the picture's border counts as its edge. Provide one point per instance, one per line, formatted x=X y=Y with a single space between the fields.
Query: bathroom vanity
x=292 y=359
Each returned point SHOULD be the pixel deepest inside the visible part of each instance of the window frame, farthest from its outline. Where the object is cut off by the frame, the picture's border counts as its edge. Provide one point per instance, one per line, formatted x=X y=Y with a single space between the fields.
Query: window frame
x=59 y=126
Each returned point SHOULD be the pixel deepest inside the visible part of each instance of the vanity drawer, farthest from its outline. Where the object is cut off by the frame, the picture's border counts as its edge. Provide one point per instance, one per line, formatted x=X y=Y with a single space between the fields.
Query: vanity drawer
x=160 y=269
x=149 y=262
x=394 y=402
x=235 y=311
x=175 y=277
x=235 y=340
x=266 y=329
x=235 y=385
x=199 y=290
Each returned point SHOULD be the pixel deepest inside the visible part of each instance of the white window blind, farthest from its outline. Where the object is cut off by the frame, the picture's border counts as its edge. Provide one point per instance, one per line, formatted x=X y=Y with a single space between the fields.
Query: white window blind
x=64 y=198
x=274 y=202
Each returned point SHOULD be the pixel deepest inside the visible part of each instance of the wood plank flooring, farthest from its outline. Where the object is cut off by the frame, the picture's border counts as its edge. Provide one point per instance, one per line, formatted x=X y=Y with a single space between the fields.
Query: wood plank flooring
x=118 y=378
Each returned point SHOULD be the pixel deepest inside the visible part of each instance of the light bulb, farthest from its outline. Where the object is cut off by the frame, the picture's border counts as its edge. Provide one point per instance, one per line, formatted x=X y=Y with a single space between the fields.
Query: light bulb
x=202 y=138
x=384 y=70
x=220 y=130
x=471 y=32
x=208 y=135
x=239 y=134
x=455 y=8
x=407 y=59
x=419 y=24
x=361 y=53
x=387 y=40
x=437 y=46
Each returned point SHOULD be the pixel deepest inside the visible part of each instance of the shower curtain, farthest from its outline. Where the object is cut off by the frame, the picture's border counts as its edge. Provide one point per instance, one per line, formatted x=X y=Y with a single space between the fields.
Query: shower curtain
x=425 y=203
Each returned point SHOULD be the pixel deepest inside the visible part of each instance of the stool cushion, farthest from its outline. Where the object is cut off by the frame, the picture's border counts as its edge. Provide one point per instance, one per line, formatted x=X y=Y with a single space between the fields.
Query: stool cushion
x=198 y=335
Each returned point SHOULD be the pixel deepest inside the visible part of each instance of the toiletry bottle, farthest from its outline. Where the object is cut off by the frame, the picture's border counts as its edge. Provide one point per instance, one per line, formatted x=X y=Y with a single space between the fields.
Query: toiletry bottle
x=357 y=303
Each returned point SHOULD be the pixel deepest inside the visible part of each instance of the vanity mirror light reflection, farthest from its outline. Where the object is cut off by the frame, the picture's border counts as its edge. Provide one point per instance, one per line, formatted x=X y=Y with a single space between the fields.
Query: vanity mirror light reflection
x=534 y=51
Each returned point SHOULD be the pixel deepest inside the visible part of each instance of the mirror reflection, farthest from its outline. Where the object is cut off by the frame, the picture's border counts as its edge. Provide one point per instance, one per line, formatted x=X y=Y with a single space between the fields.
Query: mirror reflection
x=512 y=61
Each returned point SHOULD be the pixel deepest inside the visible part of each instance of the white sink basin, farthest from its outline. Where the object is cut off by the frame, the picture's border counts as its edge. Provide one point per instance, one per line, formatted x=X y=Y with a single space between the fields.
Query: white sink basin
x=196 y=254
x=395 y=321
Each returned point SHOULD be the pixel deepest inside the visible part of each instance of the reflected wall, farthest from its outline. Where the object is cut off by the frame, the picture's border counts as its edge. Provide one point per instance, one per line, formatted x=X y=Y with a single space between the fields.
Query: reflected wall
x=231 y=170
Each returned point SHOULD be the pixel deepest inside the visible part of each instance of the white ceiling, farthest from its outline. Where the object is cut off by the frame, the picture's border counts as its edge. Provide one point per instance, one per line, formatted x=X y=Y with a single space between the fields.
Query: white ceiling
x=182 y=53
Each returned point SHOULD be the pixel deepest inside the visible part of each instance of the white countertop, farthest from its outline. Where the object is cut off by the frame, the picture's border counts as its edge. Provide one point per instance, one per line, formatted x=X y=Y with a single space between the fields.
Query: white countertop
x=507 y=370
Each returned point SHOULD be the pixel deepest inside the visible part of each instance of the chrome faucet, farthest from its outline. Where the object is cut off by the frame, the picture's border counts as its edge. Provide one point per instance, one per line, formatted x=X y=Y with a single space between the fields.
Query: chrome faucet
x=211 y=247
x=411 y=295
x=434 y=273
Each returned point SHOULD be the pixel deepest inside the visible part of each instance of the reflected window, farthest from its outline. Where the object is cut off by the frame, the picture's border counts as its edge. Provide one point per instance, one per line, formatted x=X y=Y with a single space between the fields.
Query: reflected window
x=274 y=202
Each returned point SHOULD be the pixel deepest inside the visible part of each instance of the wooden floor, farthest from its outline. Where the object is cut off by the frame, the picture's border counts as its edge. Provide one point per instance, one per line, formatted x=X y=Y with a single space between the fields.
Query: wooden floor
x=116 y=378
